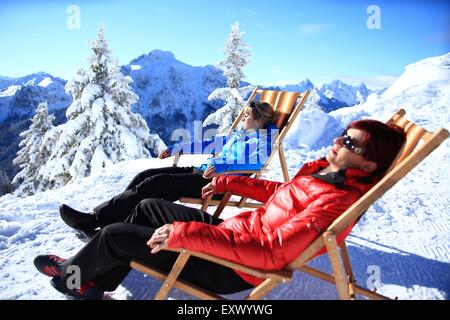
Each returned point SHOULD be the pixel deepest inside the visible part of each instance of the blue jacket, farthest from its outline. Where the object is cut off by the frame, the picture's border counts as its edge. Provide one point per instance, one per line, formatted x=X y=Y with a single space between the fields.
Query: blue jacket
x=241 y=150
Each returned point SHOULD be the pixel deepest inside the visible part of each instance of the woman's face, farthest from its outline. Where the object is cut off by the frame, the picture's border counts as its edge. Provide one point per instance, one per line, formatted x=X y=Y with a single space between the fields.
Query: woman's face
x=249 y=122
x=340 y=156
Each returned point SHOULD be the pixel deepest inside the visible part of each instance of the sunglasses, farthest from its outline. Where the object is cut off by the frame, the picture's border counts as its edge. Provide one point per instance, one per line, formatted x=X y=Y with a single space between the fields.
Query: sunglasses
x=350 y=144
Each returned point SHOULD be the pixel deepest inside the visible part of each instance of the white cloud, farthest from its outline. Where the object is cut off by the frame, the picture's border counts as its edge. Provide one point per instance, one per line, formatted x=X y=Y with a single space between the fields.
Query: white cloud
x=309 y=29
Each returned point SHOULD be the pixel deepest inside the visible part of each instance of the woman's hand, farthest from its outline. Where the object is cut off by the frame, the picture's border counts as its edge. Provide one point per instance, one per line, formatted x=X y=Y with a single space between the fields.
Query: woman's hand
x=209 y=172
x=209 y=189
x=160 y=238
x=164 y=154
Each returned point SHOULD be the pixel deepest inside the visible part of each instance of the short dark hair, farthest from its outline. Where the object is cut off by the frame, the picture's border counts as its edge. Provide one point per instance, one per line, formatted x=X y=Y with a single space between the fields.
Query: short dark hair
x=383 y=142
x=262 y=110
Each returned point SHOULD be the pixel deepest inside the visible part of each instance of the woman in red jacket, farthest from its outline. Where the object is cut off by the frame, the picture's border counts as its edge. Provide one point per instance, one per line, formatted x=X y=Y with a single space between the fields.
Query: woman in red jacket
x=268 y=238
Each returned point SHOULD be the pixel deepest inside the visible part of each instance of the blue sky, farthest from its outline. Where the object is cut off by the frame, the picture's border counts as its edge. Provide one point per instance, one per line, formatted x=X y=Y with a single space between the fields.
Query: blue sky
x=291 y=40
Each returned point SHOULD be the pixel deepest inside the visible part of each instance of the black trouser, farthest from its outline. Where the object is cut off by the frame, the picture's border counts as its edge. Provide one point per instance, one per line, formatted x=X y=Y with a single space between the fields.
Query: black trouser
x=106 y=258
x=169 y=183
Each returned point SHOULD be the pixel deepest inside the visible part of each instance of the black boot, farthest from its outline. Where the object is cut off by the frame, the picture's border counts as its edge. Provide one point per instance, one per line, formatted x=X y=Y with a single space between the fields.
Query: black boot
x=49 y=264
x=87 y=291
x=78 y=220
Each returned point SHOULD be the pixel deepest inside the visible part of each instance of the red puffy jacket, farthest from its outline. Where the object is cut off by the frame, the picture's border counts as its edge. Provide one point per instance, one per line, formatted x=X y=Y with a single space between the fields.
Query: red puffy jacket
x=293 y=215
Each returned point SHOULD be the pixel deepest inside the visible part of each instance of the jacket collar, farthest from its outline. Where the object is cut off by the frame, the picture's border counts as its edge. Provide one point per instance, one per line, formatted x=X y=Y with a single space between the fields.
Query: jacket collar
x=347 y=177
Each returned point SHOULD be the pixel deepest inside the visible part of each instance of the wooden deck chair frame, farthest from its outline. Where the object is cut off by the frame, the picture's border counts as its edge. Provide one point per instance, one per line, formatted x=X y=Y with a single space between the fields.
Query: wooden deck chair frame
x=287 y=105
x=342 y=276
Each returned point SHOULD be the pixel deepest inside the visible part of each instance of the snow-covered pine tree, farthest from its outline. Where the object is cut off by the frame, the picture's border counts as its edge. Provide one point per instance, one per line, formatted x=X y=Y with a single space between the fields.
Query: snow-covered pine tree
x=101 y=128
x=31 y=157
x=237 y=54
x=49 y=141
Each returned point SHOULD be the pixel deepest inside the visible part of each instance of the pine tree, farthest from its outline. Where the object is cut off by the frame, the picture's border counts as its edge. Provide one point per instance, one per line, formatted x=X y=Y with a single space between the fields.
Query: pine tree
x=31 y=157
x=237 y=54
x=5 y=183
x=49 y=141
x=101 y=127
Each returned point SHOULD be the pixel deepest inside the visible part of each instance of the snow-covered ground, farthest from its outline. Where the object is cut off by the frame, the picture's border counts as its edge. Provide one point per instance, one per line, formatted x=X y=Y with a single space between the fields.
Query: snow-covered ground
x=403 y=240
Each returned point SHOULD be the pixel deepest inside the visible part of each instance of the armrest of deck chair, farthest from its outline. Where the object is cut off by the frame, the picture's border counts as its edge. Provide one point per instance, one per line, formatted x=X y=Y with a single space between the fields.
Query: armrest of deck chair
x=281 y=275
x=272 y=277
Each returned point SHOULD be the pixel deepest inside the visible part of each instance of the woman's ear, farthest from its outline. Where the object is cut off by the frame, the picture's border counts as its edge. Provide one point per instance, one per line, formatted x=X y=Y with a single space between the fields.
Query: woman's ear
x=260 y=122
x=369 y=166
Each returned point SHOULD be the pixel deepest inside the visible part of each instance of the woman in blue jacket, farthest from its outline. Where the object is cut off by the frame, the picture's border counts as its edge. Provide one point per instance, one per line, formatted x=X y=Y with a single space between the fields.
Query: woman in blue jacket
x=247 y=149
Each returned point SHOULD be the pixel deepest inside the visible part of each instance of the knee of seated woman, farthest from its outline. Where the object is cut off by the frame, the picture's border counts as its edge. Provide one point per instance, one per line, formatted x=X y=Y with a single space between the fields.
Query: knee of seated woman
x=149 y=203
x=120 y=230
x=156 y=181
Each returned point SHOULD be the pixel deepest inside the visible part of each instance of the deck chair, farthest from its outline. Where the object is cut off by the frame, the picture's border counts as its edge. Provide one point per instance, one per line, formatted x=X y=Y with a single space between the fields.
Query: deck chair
x=287 y=105
x=411 y=155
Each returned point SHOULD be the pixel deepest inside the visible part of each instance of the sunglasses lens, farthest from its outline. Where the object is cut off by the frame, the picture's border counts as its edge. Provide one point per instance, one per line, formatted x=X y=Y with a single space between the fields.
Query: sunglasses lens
x=349 y=143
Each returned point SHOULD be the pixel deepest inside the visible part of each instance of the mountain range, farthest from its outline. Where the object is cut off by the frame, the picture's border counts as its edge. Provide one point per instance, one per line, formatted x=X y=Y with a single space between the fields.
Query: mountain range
x=172 y=95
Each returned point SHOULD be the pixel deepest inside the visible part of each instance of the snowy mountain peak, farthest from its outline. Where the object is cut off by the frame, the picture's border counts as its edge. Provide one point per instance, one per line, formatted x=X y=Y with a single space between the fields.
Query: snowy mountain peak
x=155 y=56
x=20 y=96
x=161 y=55
x=335 y=85
x=362 y=86
x=331 y=96
x=169 y=87
x=155 y=62
x=350 y=95
x=35 y=78
x=300 y=87
x=41 y=78
x=421 y=73
x=307 y=83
